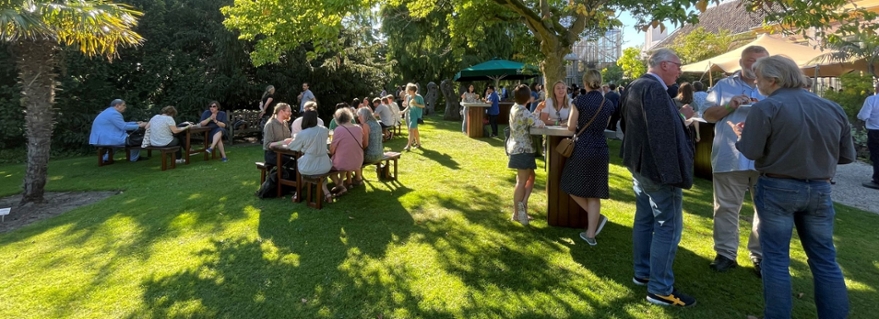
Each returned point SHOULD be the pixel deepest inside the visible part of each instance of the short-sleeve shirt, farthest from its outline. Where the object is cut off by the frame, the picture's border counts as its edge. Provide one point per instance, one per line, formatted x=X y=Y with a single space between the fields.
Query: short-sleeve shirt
x=521 y=121
x=414 y=111
x=296 y=126
x=560 y=115
x=724 y=155
x=870 y=112
x=270 y=108
x=384 y=113
x=160 y=130
x=306 y=96
x=495 y=107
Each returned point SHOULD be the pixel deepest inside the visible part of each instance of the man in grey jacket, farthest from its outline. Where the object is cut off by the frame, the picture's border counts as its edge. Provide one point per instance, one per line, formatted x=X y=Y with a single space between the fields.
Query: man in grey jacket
x=796 y=139
x=658 y=150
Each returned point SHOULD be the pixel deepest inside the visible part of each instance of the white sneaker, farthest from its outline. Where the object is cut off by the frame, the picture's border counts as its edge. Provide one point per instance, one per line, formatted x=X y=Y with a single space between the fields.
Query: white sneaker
x=180 y=161
x=522 y=216
x=601 y=221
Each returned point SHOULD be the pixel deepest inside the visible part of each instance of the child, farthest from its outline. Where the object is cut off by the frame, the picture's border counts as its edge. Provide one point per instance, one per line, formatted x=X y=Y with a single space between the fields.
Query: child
x=416 y=105
x=521 y=152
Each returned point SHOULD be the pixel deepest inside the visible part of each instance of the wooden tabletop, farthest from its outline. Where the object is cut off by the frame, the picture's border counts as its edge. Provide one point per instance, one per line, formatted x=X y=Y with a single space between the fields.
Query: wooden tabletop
x=551 y=131
x=475 y=104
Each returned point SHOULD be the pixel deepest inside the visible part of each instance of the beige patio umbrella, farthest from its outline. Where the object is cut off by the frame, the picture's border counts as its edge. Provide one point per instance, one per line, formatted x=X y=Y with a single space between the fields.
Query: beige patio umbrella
x=835 y=69
x=729 y=61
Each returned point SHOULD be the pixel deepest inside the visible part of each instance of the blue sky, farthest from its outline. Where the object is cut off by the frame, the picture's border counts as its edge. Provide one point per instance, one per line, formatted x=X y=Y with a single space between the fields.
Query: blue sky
x=632 y=37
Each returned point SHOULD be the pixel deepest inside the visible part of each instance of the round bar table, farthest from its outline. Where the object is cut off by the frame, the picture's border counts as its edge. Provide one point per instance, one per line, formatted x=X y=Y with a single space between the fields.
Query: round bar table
x=561 y=209
x=475 y=114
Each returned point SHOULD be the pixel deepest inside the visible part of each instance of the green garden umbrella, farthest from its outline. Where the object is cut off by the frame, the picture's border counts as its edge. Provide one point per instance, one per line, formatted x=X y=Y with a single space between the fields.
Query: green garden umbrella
x=497 y=70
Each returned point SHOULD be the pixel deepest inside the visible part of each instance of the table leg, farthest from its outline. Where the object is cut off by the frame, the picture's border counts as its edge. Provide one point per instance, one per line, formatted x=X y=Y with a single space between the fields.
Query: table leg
x=562 y=210
x=187 y=147
x=278 y=169
x=207 y=143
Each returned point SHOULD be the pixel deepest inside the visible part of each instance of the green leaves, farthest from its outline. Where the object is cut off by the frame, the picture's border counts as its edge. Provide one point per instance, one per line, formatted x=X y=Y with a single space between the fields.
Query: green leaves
x=631 y=63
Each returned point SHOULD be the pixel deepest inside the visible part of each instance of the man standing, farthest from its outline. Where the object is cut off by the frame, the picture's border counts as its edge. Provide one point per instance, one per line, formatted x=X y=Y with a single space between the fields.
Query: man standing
x=870 y=115
x=494 y=110
x=305 y=97
x=110 y=129
x=733 y=174
x=659 y=153
x=796 y=139
x=613 y=97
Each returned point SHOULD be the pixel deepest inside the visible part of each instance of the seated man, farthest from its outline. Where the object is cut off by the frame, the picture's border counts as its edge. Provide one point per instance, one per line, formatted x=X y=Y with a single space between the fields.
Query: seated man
x=383 y=112
x=296 y=126
x=110 y=129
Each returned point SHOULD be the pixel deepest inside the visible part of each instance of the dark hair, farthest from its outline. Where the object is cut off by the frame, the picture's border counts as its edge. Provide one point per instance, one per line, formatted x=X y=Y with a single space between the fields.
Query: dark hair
x=522 y=94
x=219 y=107
x=341 y=105
x=309 y=119
x=685 y=93
x=468 y=88
x=698 y=86
x=355 y=101
x=613 y=86
x=376 y=100
x=582 y=91
x=490 y=87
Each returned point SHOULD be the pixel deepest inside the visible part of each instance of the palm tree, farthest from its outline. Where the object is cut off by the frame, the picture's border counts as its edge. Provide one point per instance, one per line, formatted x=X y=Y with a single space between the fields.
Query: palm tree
x=35 y=31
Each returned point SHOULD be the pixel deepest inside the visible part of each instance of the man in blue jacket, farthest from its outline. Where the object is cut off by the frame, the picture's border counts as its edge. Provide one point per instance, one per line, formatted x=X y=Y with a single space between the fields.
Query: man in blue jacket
x=659 y=152
x=494 y=110
x=110 y=129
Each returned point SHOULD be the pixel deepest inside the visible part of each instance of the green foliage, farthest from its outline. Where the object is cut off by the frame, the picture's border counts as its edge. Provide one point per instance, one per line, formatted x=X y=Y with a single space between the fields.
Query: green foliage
x=612 y=74
x=632 y=64
x=855 y=89
x=700 y=44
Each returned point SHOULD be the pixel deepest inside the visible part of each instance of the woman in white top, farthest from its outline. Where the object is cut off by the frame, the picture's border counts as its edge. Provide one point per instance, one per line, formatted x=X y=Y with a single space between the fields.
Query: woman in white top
x=468 y=97
x=557 y=108
x=162 y=129
x=312 y=143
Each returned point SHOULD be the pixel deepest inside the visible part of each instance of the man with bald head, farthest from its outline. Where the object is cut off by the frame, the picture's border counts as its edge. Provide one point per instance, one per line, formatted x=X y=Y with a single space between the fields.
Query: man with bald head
x=658 y=151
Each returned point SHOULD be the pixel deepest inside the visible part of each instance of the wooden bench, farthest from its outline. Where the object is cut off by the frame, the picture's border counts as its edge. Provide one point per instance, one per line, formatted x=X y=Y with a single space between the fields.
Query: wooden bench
x=313 y=199
x=248 y=122
x=104 y=149
x=166 y=152
x=382 y=166
x=262 y=171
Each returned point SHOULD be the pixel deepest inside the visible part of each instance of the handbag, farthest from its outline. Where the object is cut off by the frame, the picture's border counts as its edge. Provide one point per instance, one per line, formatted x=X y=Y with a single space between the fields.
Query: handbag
x=135 y=138
x=566 y=145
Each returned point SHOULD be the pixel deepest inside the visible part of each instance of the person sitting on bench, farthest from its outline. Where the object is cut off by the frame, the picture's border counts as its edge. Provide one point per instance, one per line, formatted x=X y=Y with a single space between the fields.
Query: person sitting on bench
x=110 y=129
x=163 y=131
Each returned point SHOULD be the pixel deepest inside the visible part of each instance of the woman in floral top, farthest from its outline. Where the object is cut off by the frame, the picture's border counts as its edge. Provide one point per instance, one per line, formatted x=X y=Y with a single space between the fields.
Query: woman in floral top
x=521 y=152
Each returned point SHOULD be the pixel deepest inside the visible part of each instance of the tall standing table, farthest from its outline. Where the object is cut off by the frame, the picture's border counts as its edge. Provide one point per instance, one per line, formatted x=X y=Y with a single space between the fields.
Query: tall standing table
x=562 y=210
x=475 y=114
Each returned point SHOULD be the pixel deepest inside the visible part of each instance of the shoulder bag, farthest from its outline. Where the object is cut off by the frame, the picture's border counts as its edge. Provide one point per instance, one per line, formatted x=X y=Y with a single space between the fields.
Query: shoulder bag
x=566 y=145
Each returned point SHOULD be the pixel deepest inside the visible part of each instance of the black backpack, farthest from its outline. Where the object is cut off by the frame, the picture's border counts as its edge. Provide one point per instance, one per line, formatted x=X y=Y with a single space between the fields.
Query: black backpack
x=269 y=188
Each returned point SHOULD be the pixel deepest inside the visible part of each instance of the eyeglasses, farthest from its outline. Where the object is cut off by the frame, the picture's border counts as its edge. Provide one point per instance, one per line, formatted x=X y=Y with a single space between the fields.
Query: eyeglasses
x=675 y=63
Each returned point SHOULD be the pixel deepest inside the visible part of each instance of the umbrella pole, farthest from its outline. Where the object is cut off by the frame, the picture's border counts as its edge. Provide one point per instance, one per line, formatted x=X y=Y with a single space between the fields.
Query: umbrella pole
x=710 y=78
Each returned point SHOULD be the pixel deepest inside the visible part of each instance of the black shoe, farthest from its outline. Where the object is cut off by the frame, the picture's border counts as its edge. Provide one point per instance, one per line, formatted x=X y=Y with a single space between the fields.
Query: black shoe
x=676 y=298
x=757 y=267
x=872 y=185
x=723 y=264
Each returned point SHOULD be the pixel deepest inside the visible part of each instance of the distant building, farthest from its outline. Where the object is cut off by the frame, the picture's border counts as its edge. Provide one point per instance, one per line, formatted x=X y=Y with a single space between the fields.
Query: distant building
x=593 y=54
x=730 y=16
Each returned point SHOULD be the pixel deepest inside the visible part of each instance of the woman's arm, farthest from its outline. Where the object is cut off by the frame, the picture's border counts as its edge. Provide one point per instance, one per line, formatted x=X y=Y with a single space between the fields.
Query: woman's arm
x=365 y=137
x=572 y=120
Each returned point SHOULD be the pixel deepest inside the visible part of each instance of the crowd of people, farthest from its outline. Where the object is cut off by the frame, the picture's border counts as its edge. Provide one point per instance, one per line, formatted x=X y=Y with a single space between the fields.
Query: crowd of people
x=785 y=158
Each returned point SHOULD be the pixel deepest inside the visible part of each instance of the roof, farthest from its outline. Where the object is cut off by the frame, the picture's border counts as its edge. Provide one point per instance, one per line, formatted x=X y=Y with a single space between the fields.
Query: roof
x=730 y=16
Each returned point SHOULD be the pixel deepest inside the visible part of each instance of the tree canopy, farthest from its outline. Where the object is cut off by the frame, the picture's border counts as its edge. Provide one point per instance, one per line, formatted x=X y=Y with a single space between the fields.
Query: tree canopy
x=631 y=63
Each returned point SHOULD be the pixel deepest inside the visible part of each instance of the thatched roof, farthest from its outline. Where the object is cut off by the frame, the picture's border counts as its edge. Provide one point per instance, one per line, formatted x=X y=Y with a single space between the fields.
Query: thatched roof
x=730 y=16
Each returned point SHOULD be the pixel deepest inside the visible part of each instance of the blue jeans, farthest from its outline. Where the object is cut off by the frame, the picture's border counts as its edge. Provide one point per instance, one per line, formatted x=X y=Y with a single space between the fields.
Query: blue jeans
x=656 y=232
x=781 y=205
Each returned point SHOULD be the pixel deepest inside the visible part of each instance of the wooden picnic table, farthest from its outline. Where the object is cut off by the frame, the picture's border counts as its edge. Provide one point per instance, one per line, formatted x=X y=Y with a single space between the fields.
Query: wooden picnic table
x=475 y=115
x=561 y=209
x=187 y=144
x=280 y=151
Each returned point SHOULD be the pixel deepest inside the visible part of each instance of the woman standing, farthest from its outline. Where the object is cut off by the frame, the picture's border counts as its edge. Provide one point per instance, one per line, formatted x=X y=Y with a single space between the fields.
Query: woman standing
x=416 y=105
x=217 y=121
x=686 y=97
x=468 y=97
x=521 y=152
x=266 y=105
x=586 y=172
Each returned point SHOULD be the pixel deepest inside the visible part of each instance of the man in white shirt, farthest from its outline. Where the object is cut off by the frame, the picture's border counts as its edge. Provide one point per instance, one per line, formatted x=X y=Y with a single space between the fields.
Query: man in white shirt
x=870 y=115
x=296 y=126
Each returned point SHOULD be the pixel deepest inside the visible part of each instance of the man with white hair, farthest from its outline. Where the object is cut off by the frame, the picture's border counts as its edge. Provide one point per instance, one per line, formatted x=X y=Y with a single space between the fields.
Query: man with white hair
x=796 y=140
x=658 y=151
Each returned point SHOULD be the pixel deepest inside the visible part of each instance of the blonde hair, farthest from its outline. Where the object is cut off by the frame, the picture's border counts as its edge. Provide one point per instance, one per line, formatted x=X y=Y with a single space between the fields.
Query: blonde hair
x=567 y=100
x=310 y=105
x=169 y=111
x=411 y=87
x=280 y=107
x=592 y=79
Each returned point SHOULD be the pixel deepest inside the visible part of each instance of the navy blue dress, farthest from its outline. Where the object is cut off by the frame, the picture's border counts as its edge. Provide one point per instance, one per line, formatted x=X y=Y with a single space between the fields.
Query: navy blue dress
x=221 y=117
x=586 y=171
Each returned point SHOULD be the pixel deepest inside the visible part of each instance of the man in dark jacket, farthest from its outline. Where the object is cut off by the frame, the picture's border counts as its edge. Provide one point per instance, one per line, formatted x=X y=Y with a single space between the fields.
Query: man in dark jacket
x=659 y=152
x=613 y=97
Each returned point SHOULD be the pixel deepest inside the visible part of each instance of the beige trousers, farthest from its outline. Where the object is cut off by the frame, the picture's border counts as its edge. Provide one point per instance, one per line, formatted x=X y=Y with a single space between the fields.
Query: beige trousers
x=729 y=193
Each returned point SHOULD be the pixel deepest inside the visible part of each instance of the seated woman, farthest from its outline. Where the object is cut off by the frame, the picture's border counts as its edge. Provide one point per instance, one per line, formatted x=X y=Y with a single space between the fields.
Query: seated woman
x=296 y=126
x=312 y=143
x=217 y=121
x=276 y=130
x=346 y=149
x=333 y=124
x=372 y=137
x=163 y=130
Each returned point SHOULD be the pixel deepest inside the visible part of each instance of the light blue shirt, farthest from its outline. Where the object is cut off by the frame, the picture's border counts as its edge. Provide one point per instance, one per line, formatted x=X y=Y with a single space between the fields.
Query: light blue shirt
x=110 y=129
x=724 y=155
x=306 y=96
x=870 y=112
x=664 y=86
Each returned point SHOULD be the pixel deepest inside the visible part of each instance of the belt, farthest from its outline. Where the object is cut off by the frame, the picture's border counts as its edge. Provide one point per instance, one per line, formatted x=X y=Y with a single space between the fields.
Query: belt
x=781 y=176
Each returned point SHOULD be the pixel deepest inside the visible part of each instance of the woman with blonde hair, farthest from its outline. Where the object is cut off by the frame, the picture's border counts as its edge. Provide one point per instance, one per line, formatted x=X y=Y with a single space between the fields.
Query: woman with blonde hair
x=585 y=175
x=415 y=108
x=276 y=130
x=557 y=109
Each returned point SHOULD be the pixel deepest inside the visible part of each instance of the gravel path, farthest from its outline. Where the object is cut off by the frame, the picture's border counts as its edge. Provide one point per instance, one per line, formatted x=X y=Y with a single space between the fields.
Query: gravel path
x=848 y=189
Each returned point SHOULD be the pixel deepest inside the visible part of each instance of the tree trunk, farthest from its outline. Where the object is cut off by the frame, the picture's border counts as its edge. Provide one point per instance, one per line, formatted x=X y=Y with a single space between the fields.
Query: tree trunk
x=553 y=67
x=36 y=66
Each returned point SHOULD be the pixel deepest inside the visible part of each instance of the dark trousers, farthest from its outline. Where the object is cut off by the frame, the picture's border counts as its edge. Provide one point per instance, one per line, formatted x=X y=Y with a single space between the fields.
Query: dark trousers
x=175 y=142
x=492 y=120
x=614 y=118
x=873 y=146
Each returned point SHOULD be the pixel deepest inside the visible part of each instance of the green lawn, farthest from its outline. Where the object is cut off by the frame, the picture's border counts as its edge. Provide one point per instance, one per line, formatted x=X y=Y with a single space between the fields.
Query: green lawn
x=196 y=242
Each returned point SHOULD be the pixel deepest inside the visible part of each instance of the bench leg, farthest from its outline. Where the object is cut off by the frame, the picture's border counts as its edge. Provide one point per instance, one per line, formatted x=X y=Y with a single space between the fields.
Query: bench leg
x=395 y=171
x=173 y=159
x=164 y=161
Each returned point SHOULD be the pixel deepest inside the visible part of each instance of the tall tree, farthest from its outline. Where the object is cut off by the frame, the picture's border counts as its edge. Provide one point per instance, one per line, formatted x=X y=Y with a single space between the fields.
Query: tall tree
x=36 y=30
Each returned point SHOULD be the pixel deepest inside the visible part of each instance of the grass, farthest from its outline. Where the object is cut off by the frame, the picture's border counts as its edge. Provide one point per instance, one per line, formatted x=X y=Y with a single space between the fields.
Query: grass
x=195 y=242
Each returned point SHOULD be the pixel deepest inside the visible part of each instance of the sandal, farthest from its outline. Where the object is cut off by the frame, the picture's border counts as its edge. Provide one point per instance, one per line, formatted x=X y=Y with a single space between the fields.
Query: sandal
x=294 y=197
x=338 y=191
x=357 y=182
x=328 y=198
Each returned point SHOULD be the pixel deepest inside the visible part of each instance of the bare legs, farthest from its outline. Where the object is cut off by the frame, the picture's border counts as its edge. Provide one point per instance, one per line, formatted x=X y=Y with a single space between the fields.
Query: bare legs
x=414 y=139
x=524 y=186
x=592 y=206
x=218 y=142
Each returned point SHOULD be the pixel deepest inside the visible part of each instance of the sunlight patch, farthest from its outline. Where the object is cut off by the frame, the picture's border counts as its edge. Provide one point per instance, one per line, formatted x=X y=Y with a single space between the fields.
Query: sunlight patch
x=194 y=196
x=56 y=178
x=184 y=221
